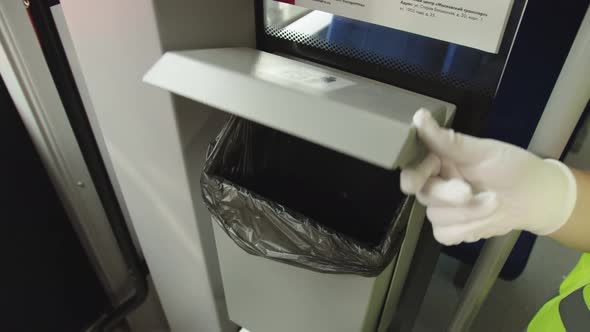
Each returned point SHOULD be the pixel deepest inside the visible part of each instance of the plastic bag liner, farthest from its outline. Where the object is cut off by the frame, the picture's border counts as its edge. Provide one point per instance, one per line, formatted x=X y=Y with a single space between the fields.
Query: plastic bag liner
x=283 y=198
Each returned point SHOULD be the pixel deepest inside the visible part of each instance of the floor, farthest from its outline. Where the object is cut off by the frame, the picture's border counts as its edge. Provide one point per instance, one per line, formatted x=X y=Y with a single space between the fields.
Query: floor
x=510 y=305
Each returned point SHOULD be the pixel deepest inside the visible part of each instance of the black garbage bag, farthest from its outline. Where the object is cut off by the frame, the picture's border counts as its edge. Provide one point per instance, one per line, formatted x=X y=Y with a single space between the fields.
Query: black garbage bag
x=283 y=198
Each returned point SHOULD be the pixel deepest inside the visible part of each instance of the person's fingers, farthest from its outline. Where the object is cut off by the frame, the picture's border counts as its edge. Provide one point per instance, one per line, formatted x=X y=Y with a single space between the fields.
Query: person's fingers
x=480 y=207
x=449 y=170
x=413 y=179
x=468 y=233
x=446 y=143
x=438 y=192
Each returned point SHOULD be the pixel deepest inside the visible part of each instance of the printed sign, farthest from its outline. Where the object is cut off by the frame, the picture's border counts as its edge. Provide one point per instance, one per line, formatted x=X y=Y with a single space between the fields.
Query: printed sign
x=307 y=78
x=474 y=23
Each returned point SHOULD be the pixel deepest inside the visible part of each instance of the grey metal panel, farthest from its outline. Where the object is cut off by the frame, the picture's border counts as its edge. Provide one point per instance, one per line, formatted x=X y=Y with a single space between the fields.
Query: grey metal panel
x=483 y=276
x=402 y=265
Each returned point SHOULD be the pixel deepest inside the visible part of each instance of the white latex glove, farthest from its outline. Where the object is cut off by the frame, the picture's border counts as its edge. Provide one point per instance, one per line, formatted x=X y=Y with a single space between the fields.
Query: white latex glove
x=478 y=188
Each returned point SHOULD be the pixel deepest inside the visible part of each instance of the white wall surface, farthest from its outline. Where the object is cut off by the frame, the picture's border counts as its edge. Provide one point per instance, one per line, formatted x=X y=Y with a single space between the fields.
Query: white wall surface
x=149 y=316
x=145 y=131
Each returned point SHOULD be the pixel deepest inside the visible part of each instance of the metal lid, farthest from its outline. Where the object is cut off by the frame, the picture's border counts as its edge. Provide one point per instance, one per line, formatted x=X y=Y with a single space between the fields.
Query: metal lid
x=362 y=118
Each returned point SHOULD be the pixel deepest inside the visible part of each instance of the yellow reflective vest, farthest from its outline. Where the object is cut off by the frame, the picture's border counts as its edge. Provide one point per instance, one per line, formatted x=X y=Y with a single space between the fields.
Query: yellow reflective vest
x=570 y=310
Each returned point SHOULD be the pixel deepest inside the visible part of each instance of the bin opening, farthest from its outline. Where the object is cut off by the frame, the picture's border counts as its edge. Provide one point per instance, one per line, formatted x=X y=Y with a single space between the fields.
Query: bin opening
x=343 y=194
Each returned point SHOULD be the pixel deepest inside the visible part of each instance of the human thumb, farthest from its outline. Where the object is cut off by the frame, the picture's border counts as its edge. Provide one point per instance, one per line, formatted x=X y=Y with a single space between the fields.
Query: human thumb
x=446 y=143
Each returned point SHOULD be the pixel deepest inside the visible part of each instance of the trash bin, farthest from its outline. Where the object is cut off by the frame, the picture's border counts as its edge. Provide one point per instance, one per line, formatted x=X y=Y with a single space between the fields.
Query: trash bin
x=287 y=210
x=286 y=199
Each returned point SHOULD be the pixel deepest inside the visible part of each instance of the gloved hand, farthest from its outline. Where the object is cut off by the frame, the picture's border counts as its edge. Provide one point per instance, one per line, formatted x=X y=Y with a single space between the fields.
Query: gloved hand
x=478 y=188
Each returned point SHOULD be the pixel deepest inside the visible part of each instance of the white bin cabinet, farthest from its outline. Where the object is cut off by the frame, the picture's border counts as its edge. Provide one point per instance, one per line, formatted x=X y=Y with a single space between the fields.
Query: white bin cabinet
x=157 y=143
x=365 y=119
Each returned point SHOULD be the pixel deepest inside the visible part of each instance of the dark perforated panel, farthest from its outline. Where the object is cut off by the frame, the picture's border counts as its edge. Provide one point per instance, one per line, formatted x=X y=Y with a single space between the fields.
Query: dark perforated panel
x=475 y=85
x=296 y=30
